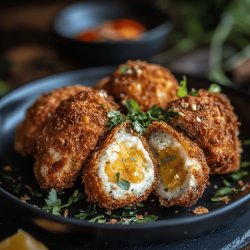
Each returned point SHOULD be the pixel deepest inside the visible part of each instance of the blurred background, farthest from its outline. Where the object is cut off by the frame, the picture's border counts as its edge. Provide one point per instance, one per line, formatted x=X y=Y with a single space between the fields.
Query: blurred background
x=207 y=38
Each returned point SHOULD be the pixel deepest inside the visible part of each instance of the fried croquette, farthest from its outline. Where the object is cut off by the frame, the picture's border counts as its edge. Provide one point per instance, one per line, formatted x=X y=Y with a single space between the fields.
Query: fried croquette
x=182 y=168
x=209 y=120
x=121 y=171
x=148 y=84
x=69 y=136
x=28 y=131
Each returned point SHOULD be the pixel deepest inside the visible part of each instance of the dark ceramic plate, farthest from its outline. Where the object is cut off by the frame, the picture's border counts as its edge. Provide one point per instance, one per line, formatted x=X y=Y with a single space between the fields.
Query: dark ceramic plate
x=169 y=226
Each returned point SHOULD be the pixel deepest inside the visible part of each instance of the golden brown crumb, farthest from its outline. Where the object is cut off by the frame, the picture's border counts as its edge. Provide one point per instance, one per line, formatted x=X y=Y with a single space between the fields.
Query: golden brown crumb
x=139 y=217
x=67 y=141
x=7 y=168
x=29 y=130
x=25 y=198
x=200 y=210
x=148 y=84
x=93 y=183
x=191 y=195
x=213 y=126
x=241 y=183
x=112 y=221
x=66 y=212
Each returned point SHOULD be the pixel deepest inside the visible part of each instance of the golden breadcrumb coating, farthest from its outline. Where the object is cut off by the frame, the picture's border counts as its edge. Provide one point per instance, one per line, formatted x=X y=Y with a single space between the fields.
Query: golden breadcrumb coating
x=201 y=175
x=28 y=131
x=148 y=84
x=93 y=183
x=209 y=120
x=69 y=136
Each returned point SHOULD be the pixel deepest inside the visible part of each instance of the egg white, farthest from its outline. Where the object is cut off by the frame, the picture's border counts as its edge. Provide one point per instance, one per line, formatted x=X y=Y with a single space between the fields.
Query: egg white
x=110 y=155
x=161 y=140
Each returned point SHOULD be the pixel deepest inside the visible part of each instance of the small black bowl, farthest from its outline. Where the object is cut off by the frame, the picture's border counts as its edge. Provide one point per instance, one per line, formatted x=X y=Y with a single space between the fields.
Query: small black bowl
x=80 y=16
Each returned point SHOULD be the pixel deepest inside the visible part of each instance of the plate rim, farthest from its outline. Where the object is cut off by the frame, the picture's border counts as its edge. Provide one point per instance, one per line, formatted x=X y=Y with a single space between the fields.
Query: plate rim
x=231 y=207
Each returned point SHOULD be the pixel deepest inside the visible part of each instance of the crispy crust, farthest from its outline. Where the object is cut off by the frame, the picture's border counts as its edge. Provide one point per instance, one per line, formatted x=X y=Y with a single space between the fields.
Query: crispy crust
x=193 y=151
x=209 y=120
x=92 y=183
x=148 y=84
x=68 y=138
x=28 y=131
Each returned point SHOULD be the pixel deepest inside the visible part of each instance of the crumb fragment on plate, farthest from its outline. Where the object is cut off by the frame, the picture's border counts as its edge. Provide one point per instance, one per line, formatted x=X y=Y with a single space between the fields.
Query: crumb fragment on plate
x=200 y=210
x=7 y=168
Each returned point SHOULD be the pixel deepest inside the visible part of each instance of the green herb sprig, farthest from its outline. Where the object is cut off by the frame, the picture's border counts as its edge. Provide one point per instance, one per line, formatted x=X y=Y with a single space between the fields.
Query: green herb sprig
x=54 y=204
x=140 y=120
x=122 y=183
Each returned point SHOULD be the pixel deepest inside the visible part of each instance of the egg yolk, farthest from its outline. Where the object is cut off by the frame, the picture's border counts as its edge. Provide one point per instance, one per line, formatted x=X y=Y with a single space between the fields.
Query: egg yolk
x=171 y=168
x=129 y=163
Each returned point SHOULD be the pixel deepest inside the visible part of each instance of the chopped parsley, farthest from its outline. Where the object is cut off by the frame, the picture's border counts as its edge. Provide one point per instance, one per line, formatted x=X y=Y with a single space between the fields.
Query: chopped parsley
x=182 y=90
x=245 y=164
x=54 y=204
x=115 y=118
x=122 y=183
x=238 y=175
x=123 y=69
x=98 y=219
x=140 y=120
x=146 y=219
x=214 y=88
x=222 y=193
x=246 y=142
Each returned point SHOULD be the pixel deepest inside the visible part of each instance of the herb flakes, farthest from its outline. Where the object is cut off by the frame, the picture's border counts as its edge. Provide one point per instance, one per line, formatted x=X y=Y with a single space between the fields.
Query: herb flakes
x=123 y=184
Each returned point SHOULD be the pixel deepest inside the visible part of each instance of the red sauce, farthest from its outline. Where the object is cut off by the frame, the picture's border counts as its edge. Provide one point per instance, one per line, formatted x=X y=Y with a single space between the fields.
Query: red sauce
x=121 y=29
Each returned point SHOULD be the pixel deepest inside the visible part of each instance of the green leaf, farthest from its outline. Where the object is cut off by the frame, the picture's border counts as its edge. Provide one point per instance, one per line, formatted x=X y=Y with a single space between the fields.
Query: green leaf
x=122 y=183
x=246 y=142
x=238 y=175
x=245 y=164
x=227 y=183
x=214 y=88
x=222 y=192
x=129 y=213
x=132 y=104
x=98 y=219
x=139 y=204
x=3 y=87
x=194 y=92
x=115 y=118
x=182 y=90
x=123 y=69
x=54 y=204
x=138 y=127
x=147 y=219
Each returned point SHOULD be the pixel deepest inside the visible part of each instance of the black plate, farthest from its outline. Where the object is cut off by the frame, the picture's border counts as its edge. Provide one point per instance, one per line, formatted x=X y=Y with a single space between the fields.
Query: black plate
x=170 y=225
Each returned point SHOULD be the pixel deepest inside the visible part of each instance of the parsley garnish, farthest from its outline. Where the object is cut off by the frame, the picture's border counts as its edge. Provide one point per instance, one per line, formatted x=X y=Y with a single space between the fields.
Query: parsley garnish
x=238 y=175
x=194 y=92
x=147 y=218
x=115 y=118
x=84 y=214
x=140 y=120
x=214 y=88
x=122 y=183
x=182 y=90
x=246 y=142
x=222 y=193
x=245 y=164
x=98 y=219
x=54 y=204
x=123 y=69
